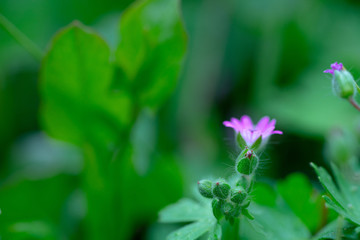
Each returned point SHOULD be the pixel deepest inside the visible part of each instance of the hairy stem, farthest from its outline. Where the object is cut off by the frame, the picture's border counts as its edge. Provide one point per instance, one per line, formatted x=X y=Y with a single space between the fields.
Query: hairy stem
x=354 y=103
x=21 y=38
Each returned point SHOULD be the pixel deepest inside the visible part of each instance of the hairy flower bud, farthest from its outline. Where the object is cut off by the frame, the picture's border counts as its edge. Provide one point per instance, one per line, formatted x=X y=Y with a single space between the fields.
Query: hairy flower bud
x=343 y=83
x=221 y=189
x=247 y=164
x=238 y=195
x=205 y=188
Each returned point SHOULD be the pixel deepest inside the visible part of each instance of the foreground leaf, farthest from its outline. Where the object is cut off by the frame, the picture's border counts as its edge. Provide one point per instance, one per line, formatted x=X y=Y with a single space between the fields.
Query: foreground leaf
x=187 y=210
x=344 y=199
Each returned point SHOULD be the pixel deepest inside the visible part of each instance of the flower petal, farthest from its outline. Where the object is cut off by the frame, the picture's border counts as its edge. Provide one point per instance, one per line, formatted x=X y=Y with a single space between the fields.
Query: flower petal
x=261 y=125
x=277 y=132
x=246 y=122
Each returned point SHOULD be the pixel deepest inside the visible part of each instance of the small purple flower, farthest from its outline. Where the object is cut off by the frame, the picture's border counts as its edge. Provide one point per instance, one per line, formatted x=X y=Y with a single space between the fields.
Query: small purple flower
x=250 y=132
x=335 y=66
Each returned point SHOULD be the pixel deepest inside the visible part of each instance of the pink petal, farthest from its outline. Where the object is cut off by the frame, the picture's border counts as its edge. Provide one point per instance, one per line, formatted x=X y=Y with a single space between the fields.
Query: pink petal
x=267 y=131
x=246 y=122
x=228 y=124
x=246 y=134
x=237 y=123
x=271 y=124
x=277 y=132
x=261 y=125
x=329 y=71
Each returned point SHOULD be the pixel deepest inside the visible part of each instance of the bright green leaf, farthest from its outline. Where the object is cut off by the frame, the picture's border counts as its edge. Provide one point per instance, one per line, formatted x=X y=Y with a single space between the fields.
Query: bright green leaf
x=345 y=199
x=78 y=103
x=299 y=194
x=192 y=231
x=185 y=210
x=151 y=49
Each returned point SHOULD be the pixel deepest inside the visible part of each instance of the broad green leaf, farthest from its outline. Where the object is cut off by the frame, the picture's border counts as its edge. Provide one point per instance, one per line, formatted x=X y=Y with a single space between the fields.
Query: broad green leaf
x=344 y=198
x=79 y=105
x=193 y=230
x=279 y=223
x=151 y=49
x=185 y=210
x=299 y=194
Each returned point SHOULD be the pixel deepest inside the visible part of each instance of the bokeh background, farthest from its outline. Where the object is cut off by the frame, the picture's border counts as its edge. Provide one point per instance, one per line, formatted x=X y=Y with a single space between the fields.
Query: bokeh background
x=256 y=57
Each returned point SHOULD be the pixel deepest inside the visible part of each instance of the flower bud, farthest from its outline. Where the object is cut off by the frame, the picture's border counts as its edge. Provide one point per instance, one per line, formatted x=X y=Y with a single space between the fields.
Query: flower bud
x=205 y=188
x=238 y=195
x=343 y=84
x=216 y=207
x=248 y=163
x=228 y=208
x=221 y=189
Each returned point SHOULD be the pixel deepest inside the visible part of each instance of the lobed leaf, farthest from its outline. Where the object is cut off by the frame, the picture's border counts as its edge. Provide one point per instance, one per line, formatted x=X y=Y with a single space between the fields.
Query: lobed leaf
x=185 y=210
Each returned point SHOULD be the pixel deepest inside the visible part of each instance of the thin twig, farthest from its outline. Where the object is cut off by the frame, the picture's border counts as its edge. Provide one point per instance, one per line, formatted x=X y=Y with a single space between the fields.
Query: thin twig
x=21 y=38
x=354 y=103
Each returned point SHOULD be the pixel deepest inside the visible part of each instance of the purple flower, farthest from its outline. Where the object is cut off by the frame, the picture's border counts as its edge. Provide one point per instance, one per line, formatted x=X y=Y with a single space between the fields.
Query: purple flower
x=335 y=66
x=250 y=132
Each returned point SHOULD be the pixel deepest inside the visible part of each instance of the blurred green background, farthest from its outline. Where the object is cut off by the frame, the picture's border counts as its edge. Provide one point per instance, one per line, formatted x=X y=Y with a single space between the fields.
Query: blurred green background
x=260 y=57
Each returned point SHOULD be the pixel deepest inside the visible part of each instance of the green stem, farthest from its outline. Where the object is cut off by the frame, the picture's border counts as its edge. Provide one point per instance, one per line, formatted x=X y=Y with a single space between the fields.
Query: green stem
x=236 y=229
x=21 y=38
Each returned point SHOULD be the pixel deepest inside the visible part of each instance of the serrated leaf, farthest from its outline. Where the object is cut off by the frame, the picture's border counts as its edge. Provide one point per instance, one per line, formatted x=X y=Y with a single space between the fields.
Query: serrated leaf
x=331 y=231
x=345 y=199
x=279 y=224
x=185 y=210
x=151 y=50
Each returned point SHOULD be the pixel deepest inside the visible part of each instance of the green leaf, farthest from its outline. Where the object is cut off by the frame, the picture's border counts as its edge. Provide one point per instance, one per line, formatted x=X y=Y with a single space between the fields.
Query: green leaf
x=185 y=210
x=216 y=233
x=345 y=199
x=278 y=223
x=299 y=194
x=331 y=231
x=151 y=50
x=78 y=103
x=192 y=231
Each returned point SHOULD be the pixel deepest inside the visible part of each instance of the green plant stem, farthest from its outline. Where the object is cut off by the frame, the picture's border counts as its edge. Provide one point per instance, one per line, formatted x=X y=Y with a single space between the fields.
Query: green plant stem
x=21 y=38
x=354 y=103
x=236 y=229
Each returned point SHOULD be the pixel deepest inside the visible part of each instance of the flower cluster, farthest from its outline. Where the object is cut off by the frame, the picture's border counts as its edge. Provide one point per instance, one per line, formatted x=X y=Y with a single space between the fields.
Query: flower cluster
x=232 y=201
